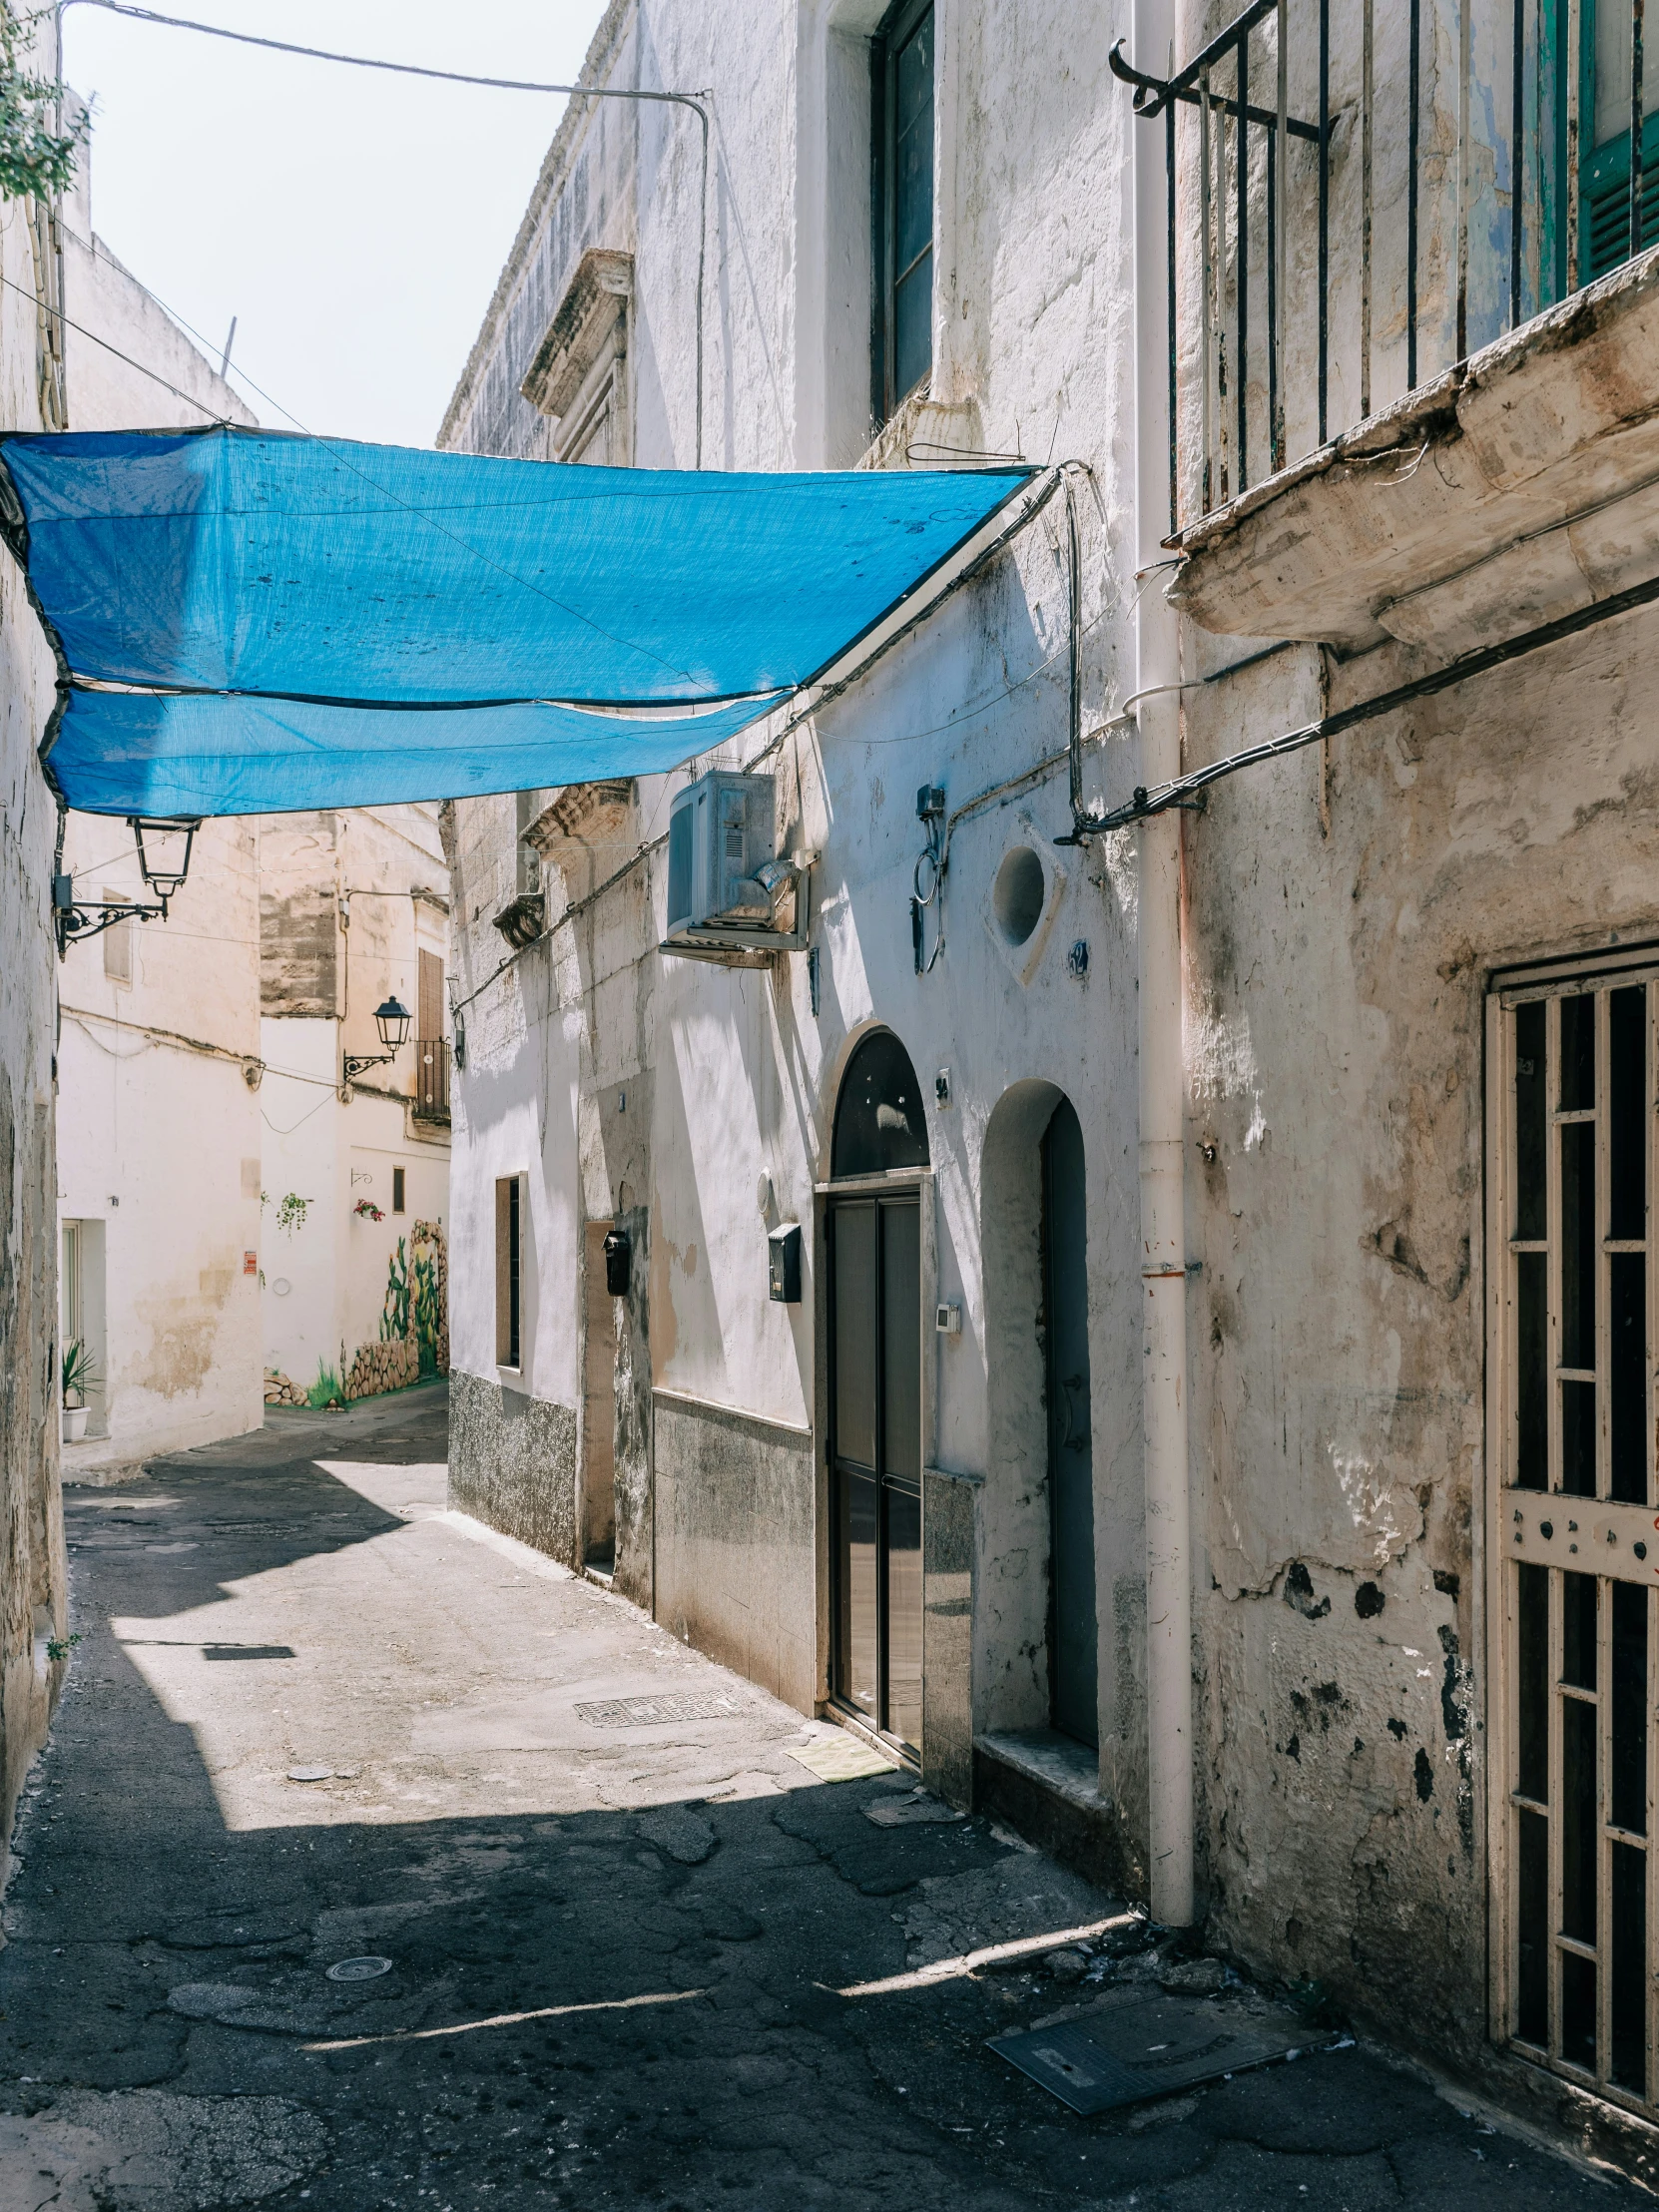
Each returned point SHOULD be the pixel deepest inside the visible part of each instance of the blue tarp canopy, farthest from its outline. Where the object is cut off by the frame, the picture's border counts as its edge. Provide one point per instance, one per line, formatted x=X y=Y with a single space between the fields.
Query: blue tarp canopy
x=294 y=621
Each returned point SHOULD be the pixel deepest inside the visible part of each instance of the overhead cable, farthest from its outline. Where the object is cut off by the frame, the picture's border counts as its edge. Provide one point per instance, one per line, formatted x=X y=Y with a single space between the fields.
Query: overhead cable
x=81 y=331
x=1184 y=789
x=696 y=102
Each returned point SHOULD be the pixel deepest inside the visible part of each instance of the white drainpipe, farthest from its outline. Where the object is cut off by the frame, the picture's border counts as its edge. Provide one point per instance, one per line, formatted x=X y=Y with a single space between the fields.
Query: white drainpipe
x=1169 y=1596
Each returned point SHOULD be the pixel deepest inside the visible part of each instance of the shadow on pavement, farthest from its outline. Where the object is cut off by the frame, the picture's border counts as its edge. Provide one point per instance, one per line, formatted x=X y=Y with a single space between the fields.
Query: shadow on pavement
x=583 y=2005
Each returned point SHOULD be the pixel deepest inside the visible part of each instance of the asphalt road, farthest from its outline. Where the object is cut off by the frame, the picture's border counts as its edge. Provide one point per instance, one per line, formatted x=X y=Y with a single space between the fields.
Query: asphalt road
x=316 y=1718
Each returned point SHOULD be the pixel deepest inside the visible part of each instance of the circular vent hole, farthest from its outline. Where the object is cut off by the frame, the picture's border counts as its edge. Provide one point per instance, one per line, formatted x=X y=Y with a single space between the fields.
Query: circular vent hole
x=1019 y=896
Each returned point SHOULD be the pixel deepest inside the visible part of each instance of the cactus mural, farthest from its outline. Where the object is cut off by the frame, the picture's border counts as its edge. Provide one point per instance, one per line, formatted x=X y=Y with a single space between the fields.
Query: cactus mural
x=414 y=1317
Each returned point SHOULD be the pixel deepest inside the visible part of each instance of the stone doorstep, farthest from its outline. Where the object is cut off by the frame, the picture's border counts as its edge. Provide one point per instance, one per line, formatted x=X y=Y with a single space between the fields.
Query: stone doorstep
x=1046 y=1789
x=904 y=1761
x=100 y=1473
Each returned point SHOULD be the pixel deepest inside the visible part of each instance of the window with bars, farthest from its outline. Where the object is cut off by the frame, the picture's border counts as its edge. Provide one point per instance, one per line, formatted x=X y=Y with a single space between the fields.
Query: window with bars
x=1574 y=1540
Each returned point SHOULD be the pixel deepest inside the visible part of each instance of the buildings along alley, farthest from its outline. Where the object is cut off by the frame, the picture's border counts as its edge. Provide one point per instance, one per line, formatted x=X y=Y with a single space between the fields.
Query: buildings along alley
x=951 y=926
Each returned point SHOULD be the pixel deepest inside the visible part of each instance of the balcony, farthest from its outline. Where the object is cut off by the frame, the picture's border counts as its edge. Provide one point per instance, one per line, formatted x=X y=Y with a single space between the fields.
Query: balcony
x=1363 y=197
x=431 y=1092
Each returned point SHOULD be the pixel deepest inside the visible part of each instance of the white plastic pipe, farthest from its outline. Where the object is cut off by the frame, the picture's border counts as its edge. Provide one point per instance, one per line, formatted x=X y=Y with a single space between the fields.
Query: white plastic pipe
x=1169 y=1601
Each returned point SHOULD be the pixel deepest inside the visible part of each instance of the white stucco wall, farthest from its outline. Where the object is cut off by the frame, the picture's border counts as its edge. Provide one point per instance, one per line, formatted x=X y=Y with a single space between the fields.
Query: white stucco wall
x=159 y=1145
x=738 y=1075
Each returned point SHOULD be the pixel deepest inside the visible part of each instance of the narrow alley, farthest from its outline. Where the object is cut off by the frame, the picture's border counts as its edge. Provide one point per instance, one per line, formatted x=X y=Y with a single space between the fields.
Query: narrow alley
x=623 y=1944
x=829 y=1105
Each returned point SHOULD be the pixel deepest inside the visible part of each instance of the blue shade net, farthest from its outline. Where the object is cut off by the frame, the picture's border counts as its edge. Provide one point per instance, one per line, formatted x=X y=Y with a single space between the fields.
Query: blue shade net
x=313 y=623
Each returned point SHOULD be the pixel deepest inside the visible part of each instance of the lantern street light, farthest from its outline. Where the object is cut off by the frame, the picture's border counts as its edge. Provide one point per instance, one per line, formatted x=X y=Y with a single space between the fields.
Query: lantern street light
x=393 y=1021
x=164 y=850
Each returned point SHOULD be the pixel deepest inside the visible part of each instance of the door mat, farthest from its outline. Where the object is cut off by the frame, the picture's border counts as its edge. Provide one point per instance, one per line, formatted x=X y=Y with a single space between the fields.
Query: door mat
x=842 y=1757
x=1150 y=2047
x=655 y=1712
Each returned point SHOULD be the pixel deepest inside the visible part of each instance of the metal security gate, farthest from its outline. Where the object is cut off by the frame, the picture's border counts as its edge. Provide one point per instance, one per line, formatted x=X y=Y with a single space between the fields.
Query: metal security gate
x=1573 y=1535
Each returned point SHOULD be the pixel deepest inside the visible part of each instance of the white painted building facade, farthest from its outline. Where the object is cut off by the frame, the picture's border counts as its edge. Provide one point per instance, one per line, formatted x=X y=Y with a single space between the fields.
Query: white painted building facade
x=159 y=1134
x=202 y=1079
x=355 y=1159
x=1356 y=1329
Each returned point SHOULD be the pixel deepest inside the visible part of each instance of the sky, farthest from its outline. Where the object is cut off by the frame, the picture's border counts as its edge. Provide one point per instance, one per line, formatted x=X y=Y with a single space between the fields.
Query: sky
x=354 y=223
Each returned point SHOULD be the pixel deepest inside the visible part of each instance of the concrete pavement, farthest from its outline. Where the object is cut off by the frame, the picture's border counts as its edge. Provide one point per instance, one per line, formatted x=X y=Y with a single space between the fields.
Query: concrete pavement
x=316 y=1721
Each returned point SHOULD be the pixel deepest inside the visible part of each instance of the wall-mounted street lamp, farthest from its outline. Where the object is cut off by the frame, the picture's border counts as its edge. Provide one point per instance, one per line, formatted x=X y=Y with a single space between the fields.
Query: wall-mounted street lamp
x=164 y=850
x=393 y=1021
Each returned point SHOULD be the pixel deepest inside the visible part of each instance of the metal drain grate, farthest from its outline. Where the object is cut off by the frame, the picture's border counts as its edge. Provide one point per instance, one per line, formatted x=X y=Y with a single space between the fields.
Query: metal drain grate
x=1123 y=2052
x=653 y=1712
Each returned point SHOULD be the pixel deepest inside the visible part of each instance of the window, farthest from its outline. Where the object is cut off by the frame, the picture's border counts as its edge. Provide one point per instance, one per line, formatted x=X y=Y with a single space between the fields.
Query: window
x=1604 y=191
x=881 y=1127
x=579 y=377
x=432 y=1051
x=397 y=1189
x=428 y=996
x=901 y=136
x=71 y=1323
x=508 y=1247
x=1604 y=71
x=117 y=945
x=1574 y=1556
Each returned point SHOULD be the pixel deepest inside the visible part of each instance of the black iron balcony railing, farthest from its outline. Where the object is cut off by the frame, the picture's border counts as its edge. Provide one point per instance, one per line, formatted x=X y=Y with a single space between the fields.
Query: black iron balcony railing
x=1361 y=197
x=431 y=1098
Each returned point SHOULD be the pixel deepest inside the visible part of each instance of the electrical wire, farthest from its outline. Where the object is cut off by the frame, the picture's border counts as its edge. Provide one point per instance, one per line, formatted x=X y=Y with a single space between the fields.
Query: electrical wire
x=696 y=102
x=1183 y=790
x=365 y=61
x=81 y=331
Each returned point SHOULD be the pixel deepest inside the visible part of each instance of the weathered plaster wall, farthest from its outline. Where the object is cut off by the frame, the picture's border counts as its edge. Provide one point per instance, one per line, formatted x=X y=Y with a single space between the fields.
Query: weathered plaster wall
x=512 y=1462
x=32 y=1576
x=1344 y=923
x=736 y=1551
x=32 y=1590
x=191 y=1330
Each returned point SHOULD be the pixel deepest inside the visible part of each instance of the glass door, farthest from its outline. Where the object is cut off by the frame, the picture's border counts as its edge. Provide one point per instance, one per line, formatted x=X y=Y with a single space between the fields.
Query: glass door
x=875 y=1459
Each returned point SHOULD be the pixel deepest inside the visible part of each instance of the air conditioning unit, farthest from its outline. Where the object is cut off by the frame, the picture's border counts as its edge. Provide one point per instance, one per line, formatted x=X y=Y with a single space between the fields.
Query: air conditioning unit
x=724 y=881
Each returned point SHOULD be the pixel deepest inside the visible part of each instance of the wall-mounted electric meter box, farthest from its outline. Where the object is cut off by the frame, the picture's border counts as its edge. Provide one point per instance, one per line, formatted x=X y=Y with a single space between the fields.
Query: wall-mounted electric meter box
x=783 y=1263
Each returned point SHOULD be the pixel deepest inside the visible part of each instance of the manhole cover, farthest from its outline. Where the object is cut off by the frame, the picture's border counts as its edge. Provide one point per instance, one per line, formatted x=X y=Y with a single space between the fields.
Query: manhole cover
x=358 y=1970
x=310 y=1774
x=653 y=1712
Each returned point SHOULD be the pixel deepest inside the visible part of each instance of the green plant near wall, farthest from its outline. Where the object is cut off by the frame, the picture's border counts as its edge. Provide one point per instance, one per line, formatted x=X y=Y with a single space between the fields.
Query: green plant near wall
x=394 y=1310
x=80 y=1375
x=428 y=1319
x=36 y=157
x=290 y=1214
x=327 y=1390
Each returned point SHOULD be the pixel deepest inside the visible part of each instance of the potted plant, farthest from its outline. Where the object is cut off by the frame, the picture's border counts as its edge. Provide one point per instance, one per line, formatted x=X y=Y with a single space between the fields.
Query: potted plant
x=79 y=1377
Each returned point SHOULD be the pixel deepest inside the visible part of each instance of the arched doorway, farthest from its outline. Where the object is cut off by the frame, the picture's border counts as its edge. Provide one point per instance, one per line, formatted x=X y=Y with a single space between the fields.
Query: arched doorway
x=874 y=1237
x=1072 y=1635
x=1036 y=1637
